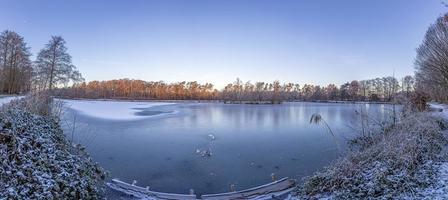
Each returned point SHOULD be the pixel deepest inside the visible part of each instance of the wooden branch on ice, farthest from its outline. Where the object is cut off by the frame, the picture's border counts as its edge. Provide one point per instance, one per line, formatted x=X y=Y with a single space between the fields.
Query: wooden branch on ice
x=276 y=190
x=137 y=191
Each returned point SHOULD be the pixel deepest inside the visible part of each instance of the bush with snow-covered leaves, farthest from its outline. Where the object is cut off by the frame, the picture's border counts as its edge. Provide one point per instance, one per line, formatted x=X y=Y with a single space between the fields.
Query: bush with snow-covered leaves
x=37 y=161
x=394 y=163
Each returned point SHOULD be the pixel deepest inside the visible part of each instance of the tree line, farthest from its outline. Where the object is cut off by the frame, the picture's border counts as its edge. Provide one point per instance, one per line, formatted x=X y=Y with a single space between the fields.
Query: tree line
x=139 y=89
x=19 y=74
x=378 y=89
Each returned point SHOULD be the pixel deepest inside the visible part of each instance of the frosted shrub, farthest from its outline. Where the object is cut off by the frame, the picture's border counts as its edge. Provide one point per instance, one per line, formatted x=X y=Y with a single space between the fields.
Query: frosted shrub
x=37 y=162
x=395 y=161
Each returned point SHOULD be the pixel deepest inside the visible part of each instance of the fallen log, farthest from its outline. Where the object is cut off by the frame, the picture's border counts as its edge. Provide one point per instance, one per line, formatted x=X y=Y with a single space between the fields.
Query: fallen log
x=280 y=189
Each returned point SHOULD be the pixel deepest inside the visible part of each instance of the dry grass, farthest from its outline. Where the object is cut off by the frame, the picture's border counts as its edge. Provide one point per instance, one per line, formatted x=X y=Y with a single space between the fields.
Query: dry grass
x=388 y=163
x=39 y=103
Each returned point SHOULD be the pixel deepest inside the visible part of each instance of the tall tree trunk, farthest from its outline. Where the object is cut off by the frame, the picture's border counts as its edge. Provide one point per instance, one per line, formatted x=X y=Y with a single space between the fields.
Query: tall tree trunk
x=53 y=62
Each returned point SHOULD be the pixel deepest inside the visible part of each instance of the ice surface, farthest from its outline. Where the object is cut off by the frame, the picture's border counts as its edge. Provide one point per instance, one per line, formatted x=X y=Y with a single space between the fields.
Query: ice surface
x=112 y=110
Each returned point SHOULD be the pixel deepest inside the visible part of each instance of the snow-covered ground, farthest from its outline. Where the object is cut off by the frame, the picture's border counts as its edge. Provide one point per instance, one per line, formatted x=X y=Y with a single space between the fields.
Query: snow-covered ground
x=112 y=110
x=441 y=109
x=6 y=99
x=440 y=189
x=437 y=106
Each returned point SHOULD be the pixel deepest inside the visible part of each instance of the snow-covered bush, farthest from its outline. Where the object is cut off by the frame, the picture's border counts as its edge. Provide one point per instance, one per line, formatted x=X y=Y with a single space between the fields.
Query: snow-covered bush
x=40 y=103
x=37 y=161
x=394 y=162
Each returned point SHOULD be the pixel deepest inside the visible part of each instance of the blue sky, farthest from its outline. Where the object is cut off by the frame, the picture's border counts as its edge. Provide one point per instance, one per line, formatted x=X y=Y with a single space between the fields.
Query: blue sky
x=302 y=41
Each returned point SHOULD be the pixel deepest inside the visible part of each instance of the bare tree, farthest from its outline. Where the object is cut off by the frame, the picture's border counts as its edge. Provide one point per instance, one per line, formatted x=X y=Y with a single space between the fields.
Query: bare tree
x=54 y=65
x=332 y=92
x=407 y=85
x=15 y=64
x=432 y=61
x=364 y=88
x=354 y=90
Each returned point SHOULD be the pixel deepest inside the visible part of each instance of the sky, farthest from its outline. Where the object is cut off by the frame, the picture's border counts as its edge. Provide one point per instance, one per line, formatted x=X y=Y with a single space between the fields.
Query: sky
x=300 y=41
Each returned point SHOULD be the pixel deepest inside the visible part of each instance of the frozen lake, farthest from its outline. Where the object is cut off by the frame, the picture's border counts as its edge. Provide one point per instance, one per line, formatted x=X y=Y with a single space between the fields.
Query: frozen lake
x=157 y=144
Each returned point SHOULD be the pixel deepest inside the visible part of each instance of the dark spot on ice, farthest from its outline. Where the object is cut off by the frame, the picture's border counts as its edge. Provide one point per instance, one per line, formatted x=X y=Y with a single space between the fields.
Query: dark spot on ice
x=277 y=167
x=110 y=158
x=168 y=158
x=208 y=184
x=187 y=167
x=140 y=108
x=150 y=112
x=158 y=175
x=259 y=166
x=185 y=162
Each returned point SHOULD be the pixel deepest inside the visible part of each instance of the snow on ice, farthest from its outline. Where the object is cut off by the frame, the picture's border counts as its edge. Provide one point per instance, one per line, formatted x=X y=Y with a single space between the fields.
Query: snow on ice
x=112 y=110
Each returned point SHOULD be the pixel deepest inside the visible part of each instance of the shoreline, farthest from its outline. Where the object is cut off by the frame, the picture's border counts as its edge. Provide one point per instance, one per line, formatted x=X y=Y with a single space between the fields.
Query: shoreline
x=45 y=164
x=227 y=102
x=413 y=152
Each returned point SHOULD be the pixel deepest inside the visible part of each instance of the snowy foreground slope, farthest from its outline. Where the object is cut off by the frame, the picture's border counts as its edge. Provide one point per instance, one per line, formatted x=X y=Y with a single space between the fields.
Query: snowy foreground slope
x=37 y=161
x=112 y=110
x=440 y=189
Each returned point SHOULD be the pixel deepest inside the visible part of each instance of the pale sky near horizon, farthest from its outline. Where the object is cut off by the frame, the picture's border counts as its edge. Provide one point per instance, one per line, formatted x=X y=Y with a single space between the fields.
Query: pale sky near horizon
x=301 y=41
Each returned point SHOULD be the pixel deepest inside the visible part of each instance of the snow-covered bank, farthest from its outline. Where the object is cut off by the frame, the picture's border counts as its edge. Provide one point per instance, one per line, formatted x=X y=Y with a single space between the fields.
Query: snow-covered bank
x=7 y=99
x=112 y=110
x=406 y=160
x=38 y=162
x=439 y=190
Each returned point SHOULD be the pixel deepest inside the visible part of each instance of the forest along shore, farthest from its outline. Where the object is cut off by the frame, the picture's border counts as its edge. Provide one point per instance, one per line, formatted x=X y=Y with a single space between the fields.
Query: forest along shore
x=383 y=89
x=226 y=102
